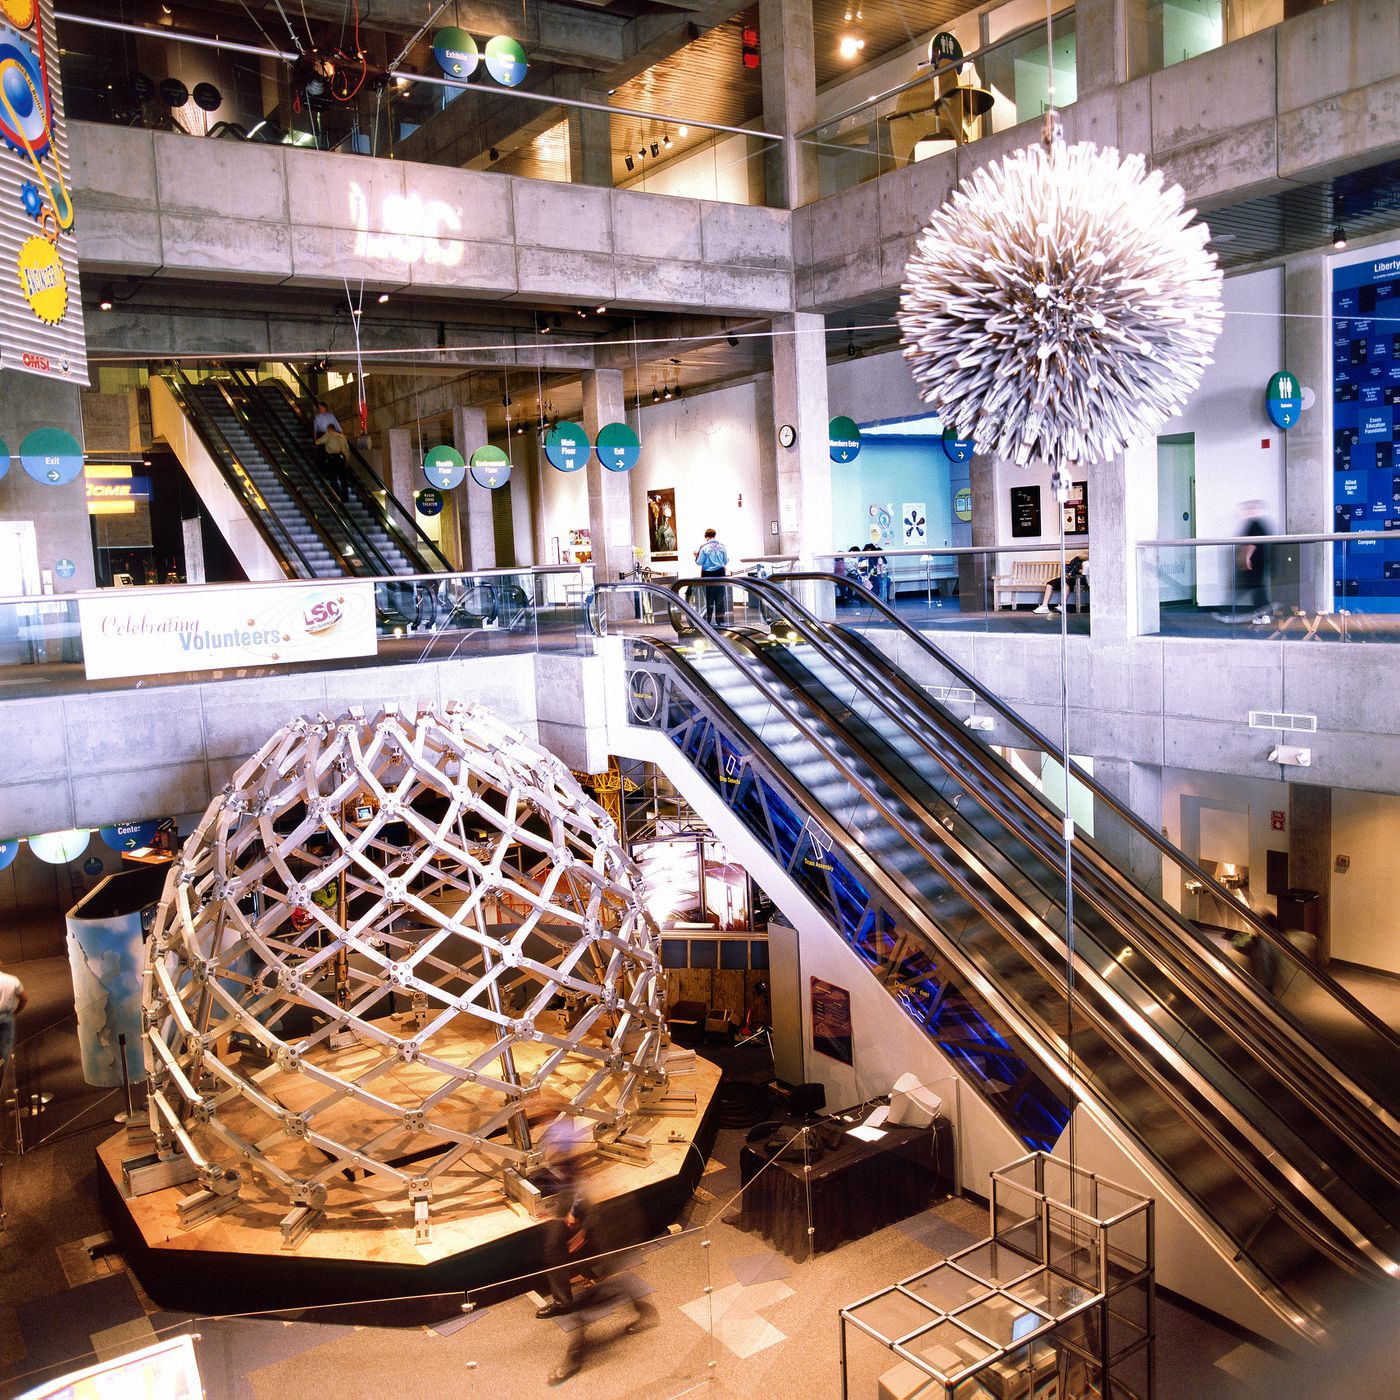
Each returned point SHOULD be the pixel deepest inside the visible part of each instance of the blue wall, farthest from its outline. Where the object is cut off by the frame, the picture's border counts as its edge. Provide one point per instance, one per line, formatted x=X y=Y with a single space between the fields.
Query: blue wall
x=892 y=471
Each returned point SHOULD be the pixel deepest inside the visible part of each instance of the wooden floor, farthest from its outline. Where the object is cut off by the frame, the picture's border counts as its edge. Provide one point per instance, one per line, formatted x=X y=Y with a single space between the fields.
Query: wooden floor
x=371 y=1221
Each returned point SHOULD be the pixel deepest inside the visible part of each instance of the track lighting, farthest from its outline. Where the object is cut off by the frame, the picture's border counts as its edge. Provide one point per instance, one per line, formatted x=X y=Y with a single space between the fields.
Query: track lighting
x=1339 y=237
x=494 y=154
x=629 y=162
x=666 y=141
x=655 y=149
x=383 y=297
x=600 y=310
x=682 y=131
x=106 y=303
x=733 y=341
x=655 y=394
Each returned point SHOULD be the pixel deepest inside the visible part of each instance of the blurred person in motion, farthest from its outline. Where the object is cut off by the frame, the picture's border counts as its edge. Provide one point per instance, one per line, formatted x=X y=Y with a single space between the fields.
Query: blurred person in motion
x=1252 y=561
x=586 y=1241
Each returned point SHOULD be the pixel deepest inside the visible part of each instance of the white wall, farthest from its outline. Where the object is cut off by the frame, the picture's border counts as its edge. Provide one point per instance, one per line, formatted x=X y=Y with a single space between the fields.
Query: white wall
x=709 y=447
x=1365 y=916
x=563 y=507
x=1189 y=798
x=871 y=388
x=726 y=168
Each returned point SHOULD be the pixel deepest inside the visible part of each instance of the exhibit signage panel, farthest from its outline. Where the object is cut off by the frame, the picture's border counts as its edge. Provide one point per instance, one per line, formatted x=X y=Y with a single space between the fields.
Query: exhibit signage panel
x=843 y=436
x=164 y=631
x=41 y=311
x=566 y=446
x=1366 y=429
x=831 y=1021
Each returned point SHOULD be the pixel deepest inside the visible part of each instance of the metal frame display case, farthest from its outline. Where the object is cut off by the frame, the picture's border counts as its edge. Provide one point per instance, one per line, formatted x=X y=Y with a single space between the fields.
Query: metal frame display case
x=1057 y=1303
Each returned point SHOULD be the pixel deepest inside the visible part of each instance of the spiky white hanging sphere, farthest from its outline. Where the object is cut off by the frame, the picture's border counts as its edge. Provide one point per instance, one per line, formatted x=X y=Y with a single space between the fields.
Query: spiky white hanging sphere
x=1060 y=304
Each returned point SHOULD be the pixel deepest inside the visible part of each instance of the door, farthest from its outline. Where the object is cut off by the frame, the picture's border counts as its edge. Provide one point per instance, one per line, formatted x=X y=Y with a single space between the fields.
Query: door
x=19 y=576
x=1176 y=517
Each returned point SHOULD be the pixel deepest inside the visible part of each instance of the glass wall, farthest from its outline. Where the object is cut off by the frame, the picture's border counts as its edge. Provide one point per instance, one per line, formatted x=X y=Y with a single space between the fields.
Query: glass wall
x=1171 y=31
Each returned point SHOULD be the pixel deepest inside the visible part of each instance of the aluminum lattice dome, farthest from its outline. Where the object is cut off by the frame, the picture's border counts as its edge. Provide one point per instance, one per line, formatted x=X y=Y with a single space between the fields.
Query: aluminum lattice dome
x=396 y=948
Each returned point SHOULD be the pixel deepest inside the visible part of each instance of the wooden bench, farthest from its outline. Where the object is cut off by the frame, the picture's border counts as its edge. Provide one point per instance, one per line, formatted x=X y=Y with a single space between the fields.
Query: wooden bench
x=1031 y=576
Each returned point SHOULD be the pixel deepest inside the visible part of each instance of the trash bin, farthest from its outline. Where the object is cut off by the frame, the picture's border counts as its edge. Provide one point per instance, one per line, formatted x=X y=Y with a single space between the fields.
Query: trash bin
x=1297 y=911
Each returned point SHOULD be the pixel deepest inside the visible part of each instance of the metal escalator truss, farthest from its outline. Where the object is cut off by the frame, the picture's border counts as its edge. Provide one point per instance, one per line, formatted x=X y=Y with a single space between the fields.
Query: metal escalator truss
x=1275 y=1211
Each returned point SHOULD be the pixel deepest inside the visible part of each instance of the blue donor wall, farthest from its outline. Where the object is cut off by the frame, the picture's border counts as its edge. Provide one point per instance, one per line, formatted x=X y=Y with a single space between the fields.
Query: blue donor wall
x=899 y=464
x=1366 y=429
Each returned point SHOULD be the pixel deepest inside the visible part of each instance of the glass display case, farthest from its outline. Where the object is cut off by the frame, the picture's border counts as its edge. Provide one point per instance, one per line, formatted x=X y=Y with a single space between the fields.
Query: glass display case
x=1057 y=1303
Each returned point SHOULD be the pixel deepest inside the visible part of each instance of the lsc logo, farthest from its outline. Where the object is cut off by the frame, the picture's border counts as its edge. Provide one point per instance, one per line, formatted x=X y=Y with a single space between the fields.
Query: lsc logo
x=320 y=617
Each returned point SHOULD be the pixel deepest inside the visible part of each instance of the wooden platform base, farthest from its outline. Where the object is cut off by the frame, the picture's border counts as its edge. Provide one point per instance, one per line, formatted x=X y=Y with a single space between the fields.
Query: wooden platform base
x=364 y=1248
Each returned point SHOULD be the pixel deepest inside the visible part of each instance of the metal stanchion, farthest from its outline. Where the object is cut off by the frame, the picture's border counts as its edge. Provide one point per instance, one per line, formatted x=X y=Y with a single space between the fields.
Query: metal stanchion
x=126 y=1083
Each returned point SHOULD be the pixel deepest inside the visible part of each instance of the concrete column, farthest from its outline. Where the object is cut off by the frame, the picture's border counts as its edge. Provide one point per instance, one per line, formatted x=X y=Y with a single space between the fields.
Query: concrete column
x=474 y=509
x=452 y=526
x=1307 y=455
x=590 y=137
x=59 y=513
x=609 y=493
x=1138 y=786
x=1122 y=510
x=1310 y=853
x=1100 y=43
x=789 y=99
x=804 y=469
x=401 y=464
x=975 y=570
x=524 y=496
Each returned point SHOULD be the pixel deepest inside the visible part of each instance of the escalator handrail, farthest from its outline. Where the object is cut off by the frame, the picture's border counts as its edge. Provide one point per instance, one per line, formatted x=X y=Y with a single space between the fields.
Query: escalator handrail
x=1276 y=1042
x=310 y=517
x=369 y=561
x=971 y=973
x=1173 y=853
x=236 y=478
x=410 y=535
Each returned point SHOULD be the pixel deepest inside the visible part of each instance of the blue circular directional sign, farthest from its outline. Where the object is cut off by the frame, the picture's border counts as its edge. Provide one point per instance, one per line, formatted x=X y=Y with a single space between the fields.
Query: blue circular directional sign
x=428 y=501
x=92 y=866
x=955 y=448
x=128 y=836
x=490 y=467
x=1284 y=400
x=8 y=851
x=566 y=446
x=4 y=457
x=456 y=52
x=65 y=568
x=59 y=847
x=52 y=456
x=444 y=467
x=618 y=447
x=843 y=439
x=505 y=61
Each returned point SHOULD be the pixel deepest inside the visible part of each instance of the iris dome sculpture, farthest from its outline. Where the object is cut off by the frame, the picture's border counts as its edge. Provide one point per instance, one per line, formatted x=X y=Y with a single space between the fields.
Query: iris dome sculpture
x=1061 y=304
x=396 y=948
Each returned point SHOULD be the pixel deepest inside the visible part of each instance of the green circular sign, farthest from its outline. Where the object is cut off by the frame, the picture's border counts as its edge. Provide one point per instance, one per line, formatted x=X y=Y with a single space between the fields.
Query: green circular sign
x=566 y=447
x=52 y=456
x=428 y=501
x=456 y=52
x=843 y=437
x=1284 y=400
x=944 y=51
x=618 y=447
x=956 y=448
x=444 y=467
x=4 y=457
x=490 y=467
x=505 y=61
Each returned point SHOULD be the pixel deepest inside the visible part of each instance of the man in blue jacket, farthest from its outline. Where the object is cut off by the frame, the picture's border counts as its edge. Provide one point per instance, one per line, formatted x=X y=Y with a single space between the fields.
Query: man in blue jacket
x=713 y=559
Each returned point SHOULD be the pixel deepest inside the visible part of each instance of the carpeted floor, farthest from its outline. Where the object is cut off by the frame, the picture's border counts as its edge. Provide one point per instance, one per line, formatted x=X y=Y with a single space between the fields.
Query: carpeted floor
x=736 y=1319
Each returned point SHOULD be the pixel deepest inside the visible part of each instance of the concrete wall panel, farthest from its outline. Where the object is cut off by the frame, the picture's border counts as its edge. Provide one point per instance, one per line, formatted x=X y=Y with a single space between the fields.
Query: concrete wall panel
x=1329 y=51
x=234 y=180
x=645 y=227
x=745 y=235
x=481 y=199
x=100 y=798
x=120 y=239
x=548 y=215
x=556 y=272
x=1342 y=133
x=236 y=250
x=1214 y=93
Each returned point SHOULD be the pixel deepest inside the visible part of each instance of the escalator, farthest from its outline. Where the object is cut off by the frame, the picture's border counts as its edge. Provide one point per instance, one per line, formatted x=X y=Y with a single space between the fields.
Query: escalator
x=945 y=873
x=254 y=435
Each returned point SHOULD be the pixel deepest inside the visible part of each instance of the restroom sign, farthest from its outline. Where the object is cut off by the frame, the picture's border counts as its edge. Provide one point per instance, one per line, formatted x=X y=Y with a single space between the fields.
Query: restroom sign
x=1284 y=400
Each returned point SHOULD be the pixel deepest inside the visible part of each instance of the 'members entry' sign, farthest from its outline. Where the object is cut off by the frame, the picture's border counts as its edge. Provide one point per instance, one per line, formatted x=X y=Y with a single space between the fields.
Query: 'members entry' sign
x=831 y=1021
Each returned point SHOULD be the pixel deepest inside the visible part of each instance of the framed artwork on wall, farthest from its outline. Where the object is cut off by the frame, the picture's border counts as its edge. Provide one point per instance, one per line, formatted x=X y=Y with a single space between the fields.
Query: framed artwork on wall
x=661 y=523
x=1075 y=511
x=831 y=1021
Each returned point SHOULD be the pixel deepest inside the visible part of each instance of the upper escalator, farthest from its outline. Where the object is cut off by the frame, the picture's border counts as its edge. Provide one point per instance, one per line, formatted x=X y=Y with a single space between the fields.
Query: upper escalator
x=260 y=441
x=945 y=871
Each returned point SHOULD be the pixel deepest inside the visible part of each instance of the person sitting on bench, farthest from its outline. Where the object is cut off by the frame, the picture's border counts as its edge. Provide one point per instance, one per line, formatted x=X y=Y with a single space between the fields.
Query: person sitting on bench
x=1074 y=569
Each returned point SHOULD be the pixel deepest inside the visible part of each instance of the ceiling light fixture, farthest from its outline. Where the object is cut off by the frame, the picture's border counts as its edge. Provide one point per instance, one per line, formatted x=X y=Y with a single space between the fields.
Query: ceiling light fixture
x=1339 y=237
x=383 y=297
x=852 y=41
x=629 y=162
x=106 y=303
x=600 y=310
x=682 y=131
x=666 y=141
x=655 y=149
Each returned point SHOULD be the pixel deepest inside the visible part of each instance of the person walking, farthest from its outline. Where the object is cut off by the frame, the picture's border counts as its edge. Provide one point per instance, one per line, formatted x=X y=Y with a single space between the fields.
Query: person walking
x=323 y=421
x=13 y=1000
x=335 y=463
x=713 y=559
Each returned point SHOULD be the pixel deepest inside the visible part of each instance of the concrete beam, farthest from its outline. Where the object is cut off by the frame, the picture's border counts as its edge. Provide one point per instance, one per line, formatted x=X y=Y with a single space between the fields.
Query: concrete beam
x=171 y=206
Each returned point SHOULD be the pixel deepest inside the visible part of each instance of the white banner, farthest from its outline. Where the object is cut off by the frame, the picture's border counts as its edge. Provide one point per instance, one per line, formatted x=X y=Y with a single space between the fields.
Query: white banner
x=162 y=631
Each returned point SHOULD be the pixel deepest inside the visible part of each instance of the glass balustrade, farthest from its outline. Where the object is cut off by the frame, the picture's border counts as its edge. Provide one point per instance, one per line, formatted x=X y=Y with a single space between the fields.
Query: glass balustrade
x=1168 y=32
x=238 y=94
x=1324 y=587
